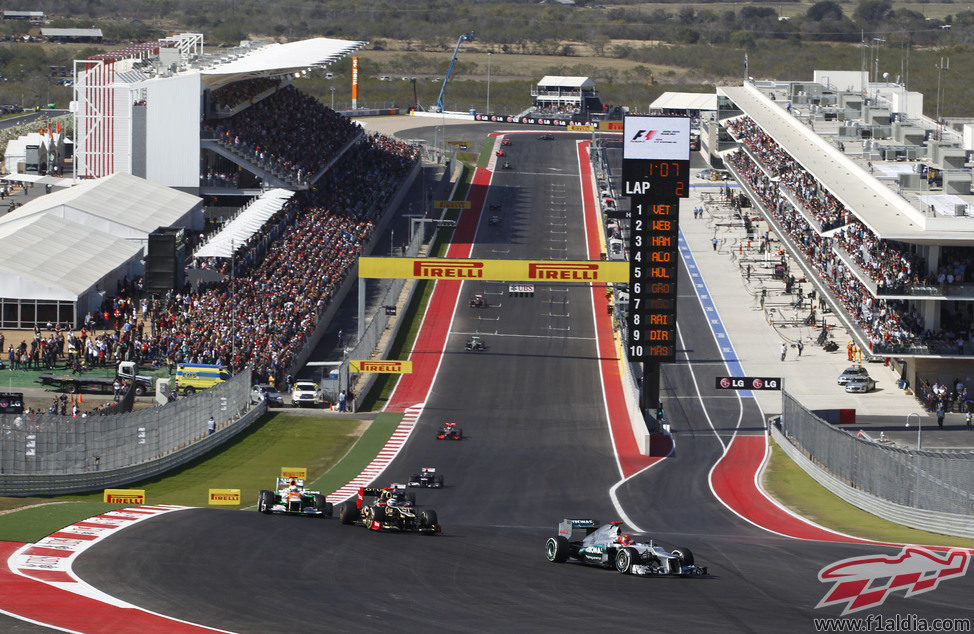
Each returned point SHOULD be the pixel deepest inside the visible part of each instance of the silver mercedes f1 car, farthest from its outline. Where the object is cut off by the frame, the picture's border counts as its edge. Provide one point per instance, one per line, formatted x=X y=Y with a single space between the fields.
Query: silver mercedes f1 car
x=607 y=546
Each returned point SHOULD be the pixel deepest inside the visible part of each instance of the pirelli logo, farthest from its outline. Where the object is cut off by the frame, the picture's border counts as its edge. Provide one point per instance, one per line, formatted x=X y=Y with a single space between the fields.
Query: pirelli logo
x=224 y=497
x=450 y=270
x=563 y=272
x=382 y=367
x=124 y=496
x=509 y=271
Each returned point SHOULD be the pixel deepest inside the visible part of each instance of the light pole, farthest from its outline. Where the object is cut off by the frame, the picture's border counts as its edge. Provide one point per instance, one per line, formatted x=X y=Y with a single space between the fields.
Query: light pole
x=941 y=67
x=332 y=97
x=919 y=426
x=488 y=82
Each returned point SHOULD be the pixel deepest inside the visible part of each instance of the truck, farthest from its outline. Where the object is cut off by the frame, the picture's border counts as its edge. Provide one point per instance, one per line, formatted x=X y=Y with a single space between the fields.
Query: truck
x=75 y=383
x=192 y=377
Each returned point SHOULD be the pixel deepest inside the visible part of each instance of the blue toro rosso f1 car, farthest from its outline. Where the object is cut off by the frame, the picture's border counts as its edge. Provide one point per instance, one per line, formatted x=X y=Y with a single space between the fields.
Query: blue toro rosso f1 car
x=607 y=546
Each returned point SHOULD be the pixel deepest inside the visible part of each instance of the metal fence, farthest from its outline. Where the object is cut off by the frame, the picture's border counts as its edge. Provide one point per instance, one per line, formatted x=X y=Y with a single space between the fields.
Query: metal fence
x=941 y=481
x=368 y=342
x=51 y=444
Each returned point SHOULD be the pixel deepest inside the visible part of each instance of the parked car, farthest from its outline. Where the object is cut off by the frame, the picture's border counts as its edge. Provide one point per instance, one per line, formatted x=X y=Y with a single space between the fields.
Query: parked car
x=265 y=392
x=306 y=393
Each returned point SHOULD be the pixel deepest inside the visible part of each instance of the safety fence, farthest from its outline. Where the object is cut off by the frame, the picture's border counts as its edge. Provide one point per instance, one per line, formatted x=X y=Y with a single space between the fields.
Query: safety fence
x=933 y=481
x=57 y=445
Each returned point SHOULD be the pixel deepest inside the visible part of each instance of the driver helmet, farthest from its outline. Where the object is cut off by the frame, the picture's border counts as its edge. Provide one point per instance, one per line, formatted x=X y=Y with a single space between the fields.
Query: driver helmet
x=626 y=539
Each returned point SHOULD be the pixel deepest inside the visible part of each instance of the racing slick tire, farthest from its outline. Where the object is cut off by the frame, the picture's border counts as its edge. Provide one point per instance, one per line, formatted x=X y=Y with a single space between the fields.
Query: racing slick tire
x=439 y=481
x=458 y=435
x=686 y=557
x=557 y=549
x=427 y=520
x=265 y=501
x=412 y=498
x=323 y=505
x=347 y=513
x=625 y=558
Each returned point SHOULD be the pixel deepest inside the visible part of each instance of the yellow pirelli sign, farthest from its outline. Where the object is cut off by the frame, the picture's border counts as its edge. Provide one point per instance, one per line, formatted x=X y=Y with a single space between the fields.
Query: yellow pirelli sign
x=494 y=270
x=382 y=367
x=224 y=497
x=451 y=204
x=294 y=472
x=124 y=496
x=579 y=127
x=610 y=126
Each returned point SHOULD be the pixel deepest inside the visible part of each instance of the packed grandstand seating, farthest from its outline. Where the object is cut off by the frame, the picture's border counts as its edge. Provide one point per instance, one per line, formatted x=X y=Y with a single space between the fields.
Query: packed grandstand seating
x=228 y=97
x=891 y=326
x=284 y=279
x=287 y=132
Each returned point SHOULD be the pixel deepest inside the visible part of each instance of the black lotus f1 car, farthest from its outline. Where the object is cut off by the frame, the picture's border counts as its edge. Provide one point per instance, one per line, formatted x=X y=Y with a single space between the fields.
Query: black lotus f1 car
x=392 y=509
x=428 y=478
x=607 y=546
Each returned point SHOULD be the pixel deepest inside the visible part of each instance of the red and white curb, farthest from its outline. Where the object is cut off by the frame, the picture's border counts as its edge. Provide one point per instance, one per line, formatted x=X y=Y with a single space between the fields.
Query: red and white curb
x=385 y=457
x=50 y=559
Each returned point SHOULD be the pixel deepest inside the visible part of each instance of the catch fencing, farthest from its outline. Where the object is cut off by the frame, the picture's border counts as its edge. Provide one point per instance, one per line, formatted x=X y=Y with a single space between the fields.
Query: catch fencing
x=58 y=445
x=935 y=481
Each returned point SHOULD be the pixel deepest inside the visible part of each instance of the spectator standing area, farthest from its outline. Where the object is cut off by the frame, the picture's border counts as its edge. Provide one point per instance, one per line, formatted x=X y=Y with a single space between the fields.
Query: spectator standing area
x=898 y=275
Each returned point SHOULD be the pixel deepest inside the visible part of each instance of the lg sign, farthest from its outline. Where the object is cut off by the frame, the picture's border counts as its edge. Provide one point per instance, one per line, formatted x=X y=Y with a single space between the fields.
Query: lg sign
x=748 y=383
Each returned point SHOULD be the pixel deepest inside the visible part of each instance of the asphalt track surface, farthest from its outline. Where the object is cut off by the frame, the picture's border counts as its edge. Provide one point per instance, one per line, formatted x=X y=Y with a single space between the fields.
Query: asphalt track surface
x=536 y=450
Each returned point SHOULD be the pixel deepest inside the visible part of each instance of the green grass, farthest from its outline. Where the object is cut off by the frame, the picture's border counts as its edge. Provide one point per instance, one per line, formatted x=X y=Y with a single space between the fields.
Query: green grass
x=785 y=480
x=361 y=454
x=31 y=524
x=485 y=151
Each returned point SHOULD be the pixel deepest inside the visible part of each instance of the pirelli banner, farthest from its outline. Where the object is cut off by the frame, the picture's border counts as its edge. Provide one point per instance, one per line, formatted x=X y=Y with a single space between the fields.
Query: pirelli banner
x=224 y=497
x=294 y=472
x=494 y=270
x=382 y=367
x=452 y=204
x=124 y=496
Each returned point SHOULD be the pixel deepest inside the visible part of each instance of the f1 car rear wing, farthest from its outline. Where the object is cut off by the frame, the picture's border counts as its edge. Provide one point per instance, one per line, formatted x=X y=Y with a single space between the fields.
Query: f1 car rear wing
x=566 y=526
x=283 y=482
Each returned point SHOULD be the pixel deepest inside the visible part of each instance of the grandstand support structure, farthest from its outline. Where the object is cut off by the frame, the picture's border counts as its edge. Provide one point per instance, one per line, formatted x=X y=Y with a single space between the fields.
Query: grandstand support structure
x=94 y=117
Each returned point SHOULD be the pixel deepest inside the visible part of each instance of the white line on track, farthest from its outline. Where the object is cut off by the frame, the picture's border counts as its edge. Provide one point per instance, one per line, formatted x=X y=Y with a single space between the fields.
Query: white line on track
x=501 y=334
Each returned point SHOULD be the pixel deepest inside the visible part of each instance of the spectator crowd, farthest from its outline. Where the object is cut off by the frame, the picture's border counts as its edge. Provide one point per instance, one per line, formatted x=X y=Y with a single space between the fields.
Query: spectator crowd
x=288 y=133
x=891 y=326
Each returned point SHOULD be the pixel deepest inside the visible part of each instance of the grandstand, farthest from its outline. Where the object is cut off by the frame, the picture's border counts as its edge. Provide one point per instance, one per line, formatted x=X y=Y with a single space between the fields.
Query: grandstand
x=138 y=109
x=875 y=201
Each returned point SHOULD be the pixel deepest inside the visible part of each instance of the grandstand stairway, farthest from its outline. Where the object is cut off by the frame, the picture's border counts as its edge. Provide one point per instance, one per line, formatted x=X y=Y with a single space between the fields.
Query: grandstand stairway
x=271 y=178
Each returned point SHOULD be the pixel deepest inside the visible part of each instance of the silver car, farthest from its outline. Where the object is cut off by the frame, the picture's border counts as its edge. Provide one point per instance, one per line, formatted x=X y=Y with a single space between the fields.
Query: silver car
x=853 y=372
x=265 y=392
x=607 y=546
x=860 y=384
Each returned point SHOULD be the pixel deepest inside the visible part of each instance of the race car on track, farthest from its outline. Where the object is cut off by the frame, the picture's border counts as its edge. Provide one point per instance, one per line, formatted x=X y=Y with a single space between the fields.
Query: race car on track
x=507 y=165
x=475 y=344
x=494 y=220
x=506 y=142
x=392 y=509
x=428 y=478
x=494 y=205
x=607 y=546
x=500 y=153
x=450 y=431
x=546 y=137
x=478 y=301
x=291 y=497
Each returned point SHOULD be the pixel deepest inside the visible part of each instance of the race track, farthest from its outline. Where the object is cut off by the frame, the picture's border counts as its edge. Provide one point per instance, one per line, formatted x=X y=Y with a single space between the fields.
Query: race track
x=536 y=449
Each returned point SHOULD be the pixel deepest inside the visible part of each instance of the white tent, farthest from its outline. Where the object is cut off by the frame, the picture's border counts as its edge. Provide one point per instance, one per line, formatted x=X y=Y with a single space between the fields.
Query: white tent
x=122 y=205
x=685 y=101
x=248 y=222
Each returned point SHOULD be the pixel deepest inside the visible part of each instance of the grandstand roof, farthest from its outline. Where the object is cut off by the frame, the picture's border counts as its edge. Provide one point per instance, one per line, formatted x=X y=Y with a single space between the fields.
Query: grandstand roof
x=247 y=223
x=53 y=258
x=71 y=32
x=121 y=204
x=685 y=101
x=566 y=82
x=277 y=59
x=881 y=209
